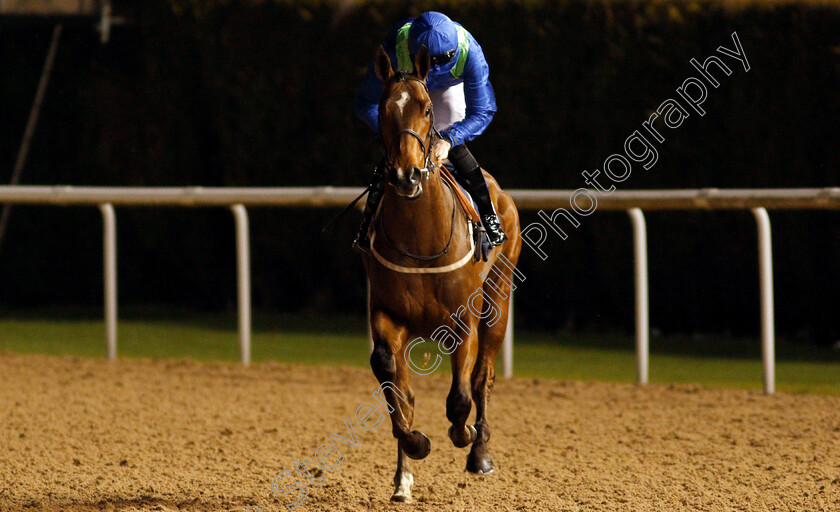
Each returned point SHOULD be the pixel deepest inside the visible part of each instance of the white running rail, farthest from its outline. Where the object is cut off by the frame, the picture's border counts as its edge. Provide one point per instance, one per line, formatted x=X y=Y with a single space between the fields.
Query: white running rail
x=758 y=201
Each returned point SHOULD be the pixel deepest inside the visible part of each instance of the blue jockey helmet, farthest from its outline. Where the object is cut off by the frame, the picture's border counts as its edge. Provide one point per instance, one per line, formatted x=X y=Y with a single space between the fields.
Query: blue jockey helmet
x=438 y=33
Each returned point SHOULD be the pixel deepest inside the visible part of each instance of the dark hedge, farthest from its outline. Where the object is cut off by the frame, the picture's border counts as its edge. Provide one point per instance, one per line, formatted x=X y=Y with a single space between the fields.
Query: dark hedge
x=261 y=95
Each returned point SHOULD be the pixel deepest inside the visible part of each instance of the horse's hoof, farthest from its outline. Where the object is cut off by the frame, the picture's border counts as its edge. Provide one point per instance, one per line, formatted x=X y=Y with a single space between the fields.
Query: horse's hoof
x=479 y=465
x=417 y=446
x=401 y=498
x=471 y=435
x=402 y=487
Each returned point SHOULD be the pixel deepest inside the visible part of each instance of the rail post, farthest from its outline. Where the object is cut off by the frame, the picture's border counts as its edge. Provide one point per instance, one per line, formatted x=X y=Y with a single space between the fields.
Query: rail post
x=367 y=316
x=243 y=279
x=765 y=275
x=507 y=344
x=109 y=266
x=641 y=278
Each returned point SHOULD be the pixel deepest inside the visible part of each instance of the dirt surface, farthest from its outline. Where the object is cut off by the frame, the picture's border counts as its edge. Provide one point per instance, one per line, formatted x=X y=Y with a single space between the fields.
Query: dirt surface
x=88 y=435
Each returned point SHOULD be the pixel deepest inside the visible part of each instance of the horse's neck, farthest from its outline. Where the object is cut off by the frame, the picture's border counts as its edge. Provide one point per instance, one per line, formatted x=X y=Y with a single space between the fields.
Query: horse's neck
x=423 y=225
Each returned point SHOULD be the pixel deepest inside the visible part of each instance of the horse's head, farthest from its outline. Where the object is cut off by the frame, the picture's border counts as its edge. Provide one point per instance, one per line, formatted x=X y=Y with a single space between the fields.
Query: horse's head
x=406 y=124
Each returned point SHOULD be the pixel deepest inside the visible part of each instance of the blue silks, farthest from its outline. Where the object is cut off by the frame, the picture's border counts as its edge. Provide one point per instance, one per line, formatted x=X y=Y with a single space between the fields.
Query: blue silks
x=438 y=33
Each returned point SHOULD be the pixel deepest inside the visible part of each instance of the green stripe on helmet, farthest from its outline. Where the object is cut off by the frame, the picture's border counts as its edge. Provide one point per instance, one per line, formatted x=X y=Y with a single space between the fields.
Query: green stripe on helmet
x=463 y=50
x=403 y=55
x=404 y=62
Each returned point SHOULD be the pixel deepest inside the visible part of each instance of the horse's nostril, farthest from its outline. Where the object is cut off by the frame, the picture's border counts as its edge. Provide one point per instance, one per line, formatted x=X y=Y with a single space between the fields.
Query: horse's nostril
x=414 y=177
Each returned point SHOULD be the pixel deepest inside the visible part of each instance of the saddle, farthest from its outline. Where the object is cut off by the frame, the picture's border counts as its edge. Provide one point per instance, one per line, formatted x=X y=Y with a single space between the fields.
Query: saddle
x=482 y=242
x=461 y=193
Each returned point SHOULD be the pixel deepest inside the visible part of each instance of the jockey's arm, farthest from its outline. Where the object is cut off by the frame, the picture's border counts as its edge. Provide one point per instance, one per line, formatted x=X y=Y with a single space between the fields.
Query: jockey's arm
x=479 y=97
x=367 y=100
x=368 y=95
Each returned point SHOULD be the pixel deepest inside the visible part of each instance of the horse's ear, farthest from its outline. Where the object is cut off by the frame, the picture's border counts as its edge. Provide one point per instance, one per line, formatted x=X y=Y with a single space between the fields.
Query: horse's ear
x=383 y=65
x=422 y=62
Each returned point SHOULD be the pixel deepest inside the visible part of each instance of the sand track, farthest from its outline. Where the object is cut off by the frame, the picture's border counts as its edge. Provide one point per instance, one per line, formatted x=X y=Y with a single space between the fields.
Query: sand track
x=81 y=435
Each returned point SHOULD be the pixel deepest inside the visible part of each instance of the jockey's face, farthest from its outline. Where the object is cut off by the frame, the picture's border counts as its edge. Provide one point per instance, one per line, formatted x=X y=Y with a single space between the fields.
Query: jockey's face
x=439 y=61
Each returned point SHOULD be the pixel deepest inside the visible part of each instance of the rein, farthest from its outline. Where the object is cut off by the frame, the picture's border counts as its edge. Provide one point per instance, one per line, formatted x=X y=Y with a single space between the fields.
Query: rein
x=426 y=145
x=424 y=270
x=419 y=257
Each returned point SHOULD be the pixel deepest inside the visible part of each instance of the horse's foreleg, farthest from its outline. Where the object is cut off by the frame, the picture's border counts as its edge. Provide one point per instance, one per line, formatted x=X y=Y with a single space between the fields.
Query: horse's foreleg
x=403 y=478
x=388 y=363
x=459 y=401
x=484 y=375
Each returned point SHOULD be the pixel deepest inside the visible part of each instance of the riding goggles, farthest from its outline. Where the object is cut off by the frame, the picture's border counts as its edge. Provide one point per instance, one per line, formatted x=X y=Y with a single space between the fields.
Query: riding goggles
x=440 y=59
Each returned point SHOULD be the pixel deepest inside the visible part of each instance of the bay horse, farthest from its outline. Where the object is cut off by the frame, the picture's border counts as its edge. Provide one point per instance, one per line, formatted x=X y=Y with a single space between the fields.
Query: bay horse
x=421 y=284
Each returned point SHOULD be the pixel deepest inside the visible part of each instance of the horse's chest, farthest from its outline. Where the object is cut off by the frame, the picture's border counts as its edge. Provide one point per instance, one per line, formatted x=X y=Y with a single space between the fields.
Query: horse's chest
x=428 y=299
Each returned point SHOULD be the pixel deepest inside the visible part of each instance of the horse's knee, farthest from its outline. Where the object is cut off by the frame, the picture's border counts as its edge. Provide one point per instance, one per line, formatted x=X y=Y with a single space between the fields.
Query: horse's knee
x=382 y=362
x=458 y=405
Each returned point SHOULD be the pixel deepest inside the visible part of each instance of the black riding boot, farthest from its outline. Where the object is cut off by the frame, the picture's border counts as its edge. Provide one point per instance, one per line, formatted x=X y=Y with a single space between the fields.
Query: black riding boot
x=470 y=173
x=377 y=186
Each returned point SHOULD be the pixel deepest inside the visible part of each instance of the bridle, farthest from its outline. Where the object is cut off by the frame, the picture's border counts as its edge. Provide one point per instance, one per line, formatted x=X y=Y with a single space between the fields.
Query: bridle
x=426 y=143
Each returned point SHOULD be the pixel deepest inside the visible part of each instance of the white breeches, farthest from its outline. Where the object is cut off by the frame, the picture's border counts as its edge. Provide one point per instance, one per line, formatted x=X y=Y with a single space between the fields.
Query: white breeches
x=449 y=106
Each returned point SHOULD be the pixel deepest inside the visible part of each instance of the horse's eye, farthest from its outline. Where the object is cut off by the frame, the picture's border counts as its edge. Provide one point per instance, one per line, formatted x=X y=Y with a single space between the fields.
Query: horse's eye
x=428 y=110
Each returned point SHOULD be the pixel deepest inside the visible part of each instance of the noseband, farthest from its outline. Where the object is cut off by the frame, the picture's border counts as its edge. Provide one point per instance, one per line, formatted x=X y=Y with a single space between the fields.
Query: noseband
x=425 y=144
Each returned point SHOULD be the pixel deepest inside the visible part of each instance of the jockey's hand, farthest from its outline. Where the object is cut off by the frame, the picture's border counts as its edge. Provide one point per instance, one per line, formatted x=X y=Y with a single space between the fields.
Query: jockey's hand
x=441 y=150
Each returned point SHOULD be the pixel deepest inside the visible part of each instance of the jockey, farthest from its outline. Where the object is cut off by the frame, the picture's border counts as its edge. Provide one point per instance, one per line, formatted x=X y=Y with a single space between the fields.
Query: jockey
x=462 y=99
